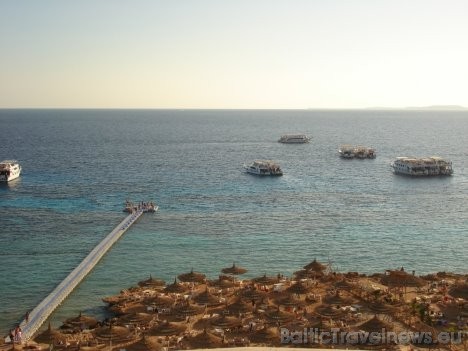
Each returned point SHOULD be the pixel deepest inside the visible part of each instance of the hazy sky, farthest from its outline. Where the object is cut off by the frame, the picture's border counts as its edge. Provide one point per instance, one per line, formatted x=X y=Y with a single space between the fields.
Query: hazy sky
x=233 y=53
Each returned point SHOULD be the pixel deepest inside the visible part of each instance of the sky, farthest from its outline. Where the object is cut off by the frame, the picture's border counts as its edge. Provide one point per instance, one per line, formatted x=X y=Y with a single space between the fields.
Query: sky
x=233 y=54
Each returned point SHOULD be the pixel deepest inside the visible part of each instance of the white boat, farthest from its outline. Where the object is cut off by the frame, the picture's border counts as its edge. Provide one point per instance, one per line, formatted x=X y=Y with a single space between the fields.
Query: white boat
x=429 y=166
x=361 y=152
x=264 y=168
x=294 y=139
x=9 y=170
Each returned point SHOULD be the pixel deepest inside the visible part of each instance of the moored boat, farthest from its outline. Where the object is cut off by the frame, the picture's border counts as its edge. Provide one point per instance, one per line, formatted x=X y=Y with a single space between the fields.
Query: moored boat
x=264 y=168
x=361 y=152
x=9 y=170
x=294 y=139
x=428 y=166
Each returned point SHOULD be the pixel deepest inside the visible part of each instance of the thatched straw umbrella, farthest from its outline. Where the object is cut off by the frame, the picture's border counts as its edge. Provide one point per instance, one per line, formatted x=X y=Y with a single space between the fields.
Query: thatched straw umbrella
x=81 y=322
x=167 y=328
x=225 y=322
x=329 y=311
x=192 y=277
x=253 y=294
x=289 y=300
x=375 y=324
x=50 y=336
x=307 y=274
x=175 y=288
x=146 y=343
x=401 y=279
x=277 y=316
x=266 y=336
x=381 y=307
x=152 y=283
x=239 y=306
x=207 y=299
x=315 y=266
x=235 y=270
x=113 y=333
x=135 y=319
x=204 y=340
x=223 y=282
x=264 y=280
x=298 y=288
x=187 y=310
x=159 y=301
x=339 y=299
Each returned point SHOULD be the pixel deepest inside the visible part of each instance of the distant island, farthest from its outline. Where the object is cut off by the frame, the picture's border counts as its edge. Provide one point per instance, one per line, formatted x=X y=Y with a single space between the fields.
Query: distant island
x=424 y=108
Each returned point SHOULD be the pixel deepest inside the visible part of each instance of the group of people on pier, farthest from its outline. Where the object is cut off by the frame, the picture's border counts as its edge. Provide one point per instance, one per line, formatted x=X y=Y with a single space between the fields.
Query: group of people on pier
x=141 y=206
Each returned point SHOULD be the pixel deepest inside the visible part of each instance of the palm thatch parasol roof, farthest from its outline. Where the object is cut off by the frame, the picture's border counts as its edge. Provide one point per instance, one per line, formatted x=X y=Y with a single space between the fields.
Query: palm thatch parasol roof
x=235 y=270
x=375 y=324
x=225 y=322
x=81 y=322
x=167 y=328
x=175 y=288
x=253 y=294
x=264 y=280
x=329 y=311
x=400 y=278
x=204 y=340
x=147 y=343
x=307 y=274
x=381 y=307
x=266 y=336
x=222 y=282
x=239 y=306
x=298 y=288
x=159 y=301
x=277 y=316
x=289 y=300
x=339 y=299
x=135 y=318
x=315 y=266
x=114 y=332
x=50 y=336
x=152 y=282
x=208 y=299
x=192 y=277
x=187 y=309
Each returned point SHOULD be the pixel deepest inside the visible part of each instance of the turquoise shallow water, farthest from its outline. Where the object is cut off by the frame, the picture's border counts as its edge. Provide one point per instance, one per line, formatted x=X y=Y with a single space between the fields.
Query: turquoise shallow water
x=79 y=166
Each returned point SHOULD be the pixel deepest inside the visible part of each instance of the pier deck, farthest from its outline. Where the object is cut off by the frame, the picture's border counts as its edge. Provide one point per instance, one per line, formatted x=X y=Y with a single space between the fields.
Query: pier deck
x=42 y=311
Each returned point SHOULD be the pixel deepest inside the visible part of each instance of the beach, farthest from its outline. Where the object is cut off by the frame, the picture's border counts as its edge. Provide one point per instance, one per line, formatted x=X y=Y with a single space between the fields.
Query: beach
x=316 y=307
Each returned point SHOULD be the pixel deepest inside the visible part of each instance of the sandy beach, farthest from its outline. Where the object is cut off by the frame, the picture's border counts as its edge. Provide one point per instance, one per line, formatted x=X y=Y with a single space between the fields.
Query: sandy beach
x=315 y=308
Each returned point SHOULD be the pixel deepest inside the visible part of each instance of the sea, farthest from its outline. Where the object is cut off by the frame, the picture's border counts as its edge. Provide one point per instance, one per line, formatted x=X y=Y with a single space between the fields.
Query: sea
x=80 y=166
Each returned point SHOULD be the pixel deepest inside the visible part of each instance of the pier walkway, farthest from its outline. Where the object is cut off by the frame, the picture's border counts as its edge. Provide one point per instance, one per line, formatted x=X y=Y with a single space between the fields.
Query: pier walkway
x=40 y=314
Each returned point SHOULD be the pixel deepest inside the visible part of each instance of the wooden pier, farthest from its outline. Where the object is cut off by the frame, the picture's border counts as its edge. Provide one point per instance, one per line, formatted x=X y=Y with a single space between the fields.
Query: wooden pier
x=40 y=314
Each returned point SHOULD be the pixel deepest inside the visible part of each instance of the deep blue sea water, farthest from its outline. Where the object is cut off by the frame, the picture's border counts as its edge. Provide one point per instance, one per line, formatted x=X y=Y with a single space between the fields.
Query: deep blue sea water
x=79 y=166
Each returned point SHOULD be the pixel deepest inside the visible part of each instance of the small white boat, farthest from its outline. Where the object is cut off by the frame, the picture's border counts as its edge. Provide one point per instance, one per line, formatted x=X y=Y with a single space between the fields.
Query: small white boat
x=294 y=139
x=264 y=168
x=429 y=166
x=9 y=170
